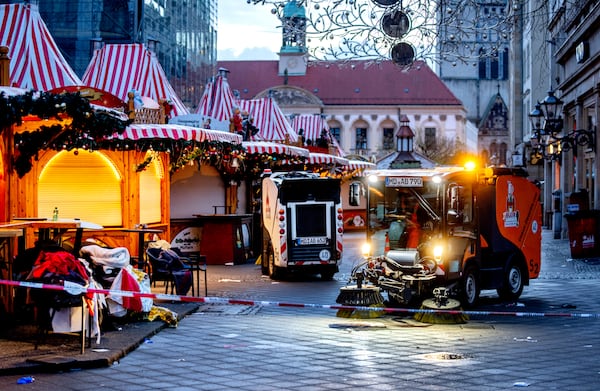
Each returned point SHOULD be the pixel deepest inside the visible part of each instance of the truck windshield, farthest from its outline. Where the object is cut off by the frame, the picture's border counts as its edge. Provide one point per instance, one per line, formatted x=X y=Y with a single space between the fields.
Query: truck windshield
x=310 y=190
x=409 y=215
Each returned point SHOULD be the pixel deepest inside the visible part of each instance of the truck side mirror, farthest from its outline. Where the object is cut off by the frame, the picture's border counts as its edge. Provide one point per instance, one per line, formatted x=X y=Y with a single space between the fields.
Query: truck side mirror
x=455 y=204
x=354 y=196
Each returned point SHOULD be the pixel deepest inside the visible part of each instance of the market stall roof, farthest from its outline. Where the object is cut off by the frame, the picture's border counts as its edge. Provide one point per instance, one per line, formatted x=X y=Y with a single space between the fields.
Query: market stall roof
x=360 y=165
x=217 y=101
x=312 y=125
x=324 y=158
x=176 y=132
x=267 y=147
x=35 y=60
x=269 y=119
x=121 y=68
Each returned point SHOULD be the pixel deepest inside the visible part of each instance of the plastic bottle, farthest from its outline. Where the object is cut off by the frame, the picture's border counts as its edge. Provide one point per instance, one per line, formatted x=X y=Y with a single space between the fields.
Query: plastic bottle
x=25 y=380
x=55 y=214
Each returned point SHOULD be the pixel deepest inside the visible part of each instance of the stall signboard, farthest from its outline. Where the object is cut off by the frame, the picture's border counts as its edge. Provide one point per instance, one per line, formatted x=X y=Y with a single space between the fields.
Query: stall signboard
x=188 y=240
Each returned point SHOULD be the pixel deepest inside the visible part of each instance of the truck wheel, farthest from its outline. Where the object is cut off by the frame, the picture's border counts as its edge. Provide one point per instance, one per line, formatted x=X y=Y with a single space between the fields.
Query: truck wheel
x=327 y=275
x=274 y=271
x=512 y=286
x=470 y=287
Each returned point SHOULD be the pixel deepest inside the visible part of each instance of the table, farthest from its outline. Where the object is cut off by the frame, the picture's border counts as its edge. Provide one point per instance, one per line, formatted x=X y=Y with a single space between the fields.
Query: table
x=45 y=227
x=6 y=241
x=61 y=226
x=141 y=233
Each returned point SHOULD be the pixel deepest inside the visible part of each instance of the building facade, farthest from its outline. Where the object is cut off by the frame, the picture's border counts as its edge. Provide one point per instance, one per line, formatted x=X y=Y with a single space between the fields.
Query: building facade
x=362 y=102
x=182 y=34
x=475 y=63
x=574 y=32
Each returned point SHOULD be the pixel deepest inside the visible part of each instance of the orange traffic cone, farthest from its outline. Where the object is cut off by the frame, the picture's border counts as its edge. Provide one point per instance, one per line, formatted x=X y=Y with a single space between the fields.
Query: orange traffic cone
x=387 y=243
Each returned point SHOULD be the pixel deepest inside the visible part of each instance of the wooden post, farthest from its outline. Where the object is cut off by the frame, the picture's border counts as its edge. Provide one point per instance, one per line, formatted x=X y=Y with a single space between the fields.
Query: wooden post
x=4 y=66
x=130 y=105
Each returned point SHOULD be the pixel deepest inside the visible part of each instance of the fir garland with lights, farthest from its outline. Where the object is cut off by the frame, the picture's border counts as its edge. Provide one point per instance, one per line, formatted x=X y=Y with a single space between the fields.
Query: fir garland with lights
x=94 y=129
x=87 y=128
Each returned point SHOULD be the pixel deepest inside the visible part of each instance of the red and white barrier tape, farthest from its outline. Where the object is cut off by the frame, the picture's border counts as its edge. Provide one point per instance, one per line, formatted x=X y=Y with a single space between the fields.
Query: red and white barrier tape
x=75 y=289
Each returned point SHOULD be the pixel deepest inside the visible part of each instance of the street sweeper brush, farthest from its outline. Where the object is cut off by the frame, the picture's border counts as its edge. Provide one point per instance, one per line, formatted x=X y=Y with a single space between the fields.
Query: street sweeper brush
x=362 y=296
x=450 y=310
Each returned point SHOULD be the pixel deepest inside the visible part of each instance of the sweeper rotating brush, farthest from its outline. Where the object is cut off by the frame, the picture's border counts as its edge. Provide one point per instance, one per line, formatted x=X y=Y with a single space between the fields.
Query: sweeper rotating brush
x=363 y=296
x=450 y=311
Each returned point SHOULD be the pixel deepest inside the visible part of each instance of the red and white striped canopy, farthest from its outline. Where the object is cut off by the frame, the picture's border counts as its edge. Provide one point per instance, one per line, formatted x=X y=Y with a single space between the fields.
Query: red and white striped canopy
x=176 y=132
x=217 y=101
x=266 y=147
x=311 y=124
x=324 y=158
x=121 y=68
x=269 y=119
x=35 y=60
x=360 y=165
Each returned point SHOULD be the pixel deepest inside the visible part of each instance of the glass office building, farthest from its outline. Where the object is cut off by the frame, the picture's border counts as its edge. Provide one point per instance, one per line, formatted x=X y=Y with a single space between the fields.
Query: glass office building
x=182 y=33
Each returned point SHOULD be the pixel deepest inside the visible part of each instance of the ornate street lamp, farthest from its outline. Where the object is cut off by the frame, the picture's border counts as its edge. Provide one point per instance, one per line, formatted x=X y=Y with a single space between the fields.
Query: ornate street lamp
x=547 y=124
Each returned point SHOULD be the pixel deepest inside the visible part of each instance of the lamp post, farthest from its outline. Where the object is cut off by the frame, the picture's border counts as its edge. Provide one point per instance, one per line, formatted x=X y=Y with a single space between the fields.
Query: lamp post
x=550 y=140
x=547 y=125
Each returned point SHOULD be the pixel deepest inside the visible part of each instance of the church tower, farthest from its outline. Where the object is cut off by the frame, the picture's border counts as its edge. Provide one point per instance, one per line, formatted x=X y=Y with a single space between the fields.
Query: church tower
x=292 y=56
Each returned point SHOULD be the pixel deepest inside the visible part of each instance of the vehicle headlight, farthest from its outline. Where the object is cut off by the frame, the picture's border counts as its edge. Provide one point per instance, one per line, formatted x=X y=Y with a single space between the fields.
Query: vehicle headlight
x=366 y=249
x=437 y=253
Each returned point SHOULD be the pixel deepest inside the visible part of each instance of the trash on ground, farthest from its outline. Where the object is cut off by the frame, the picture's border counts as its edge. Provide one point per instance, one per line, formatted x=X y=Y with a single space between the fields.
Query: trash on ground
x=528 y=339
x=25 y=380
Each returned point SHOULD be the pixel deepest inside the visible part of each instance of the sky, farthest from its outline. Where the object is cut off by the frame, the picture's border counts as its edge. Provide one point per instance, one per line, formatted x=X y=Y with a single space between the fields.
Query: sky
x=247 y=32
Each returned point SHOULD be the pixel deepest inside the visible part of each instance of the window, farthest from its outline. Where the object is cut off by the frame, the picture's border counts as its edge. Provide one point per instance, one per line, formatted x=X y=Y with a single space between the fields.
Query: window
x=388 y=138
x=494 y=66
x=361 y=138
x=336 y=133
x=430 y=142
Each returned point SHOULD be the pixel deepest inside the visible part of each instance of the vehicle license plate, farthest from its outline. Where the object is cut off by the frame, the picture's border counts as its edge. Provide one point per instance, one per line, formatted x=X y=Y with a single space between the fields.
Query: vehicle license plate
x=403 y=181
x=313 y=240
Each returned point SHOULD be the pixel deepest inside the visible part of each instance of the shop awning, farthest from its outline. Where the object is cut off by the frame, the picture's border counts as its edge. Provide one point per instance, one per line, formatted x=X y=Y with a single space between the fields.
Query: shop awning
x=121 y=68
x=360 y=165
x=36 y=63
x=266 y=147
x=323 y=158
x=176 y=132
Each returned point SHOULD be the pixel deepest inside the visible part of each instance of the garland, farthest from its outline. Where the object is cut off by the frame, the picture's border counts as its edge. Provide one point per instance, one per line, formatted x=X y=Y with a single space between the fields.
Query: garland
x=86 y=130
x=92 y=129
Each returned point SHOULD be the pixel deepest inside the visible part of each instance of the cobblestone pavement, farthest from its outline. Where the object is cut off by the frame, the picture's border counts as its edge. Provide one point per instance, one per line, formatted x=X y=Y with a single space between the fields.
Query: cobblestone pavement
x=265 y=347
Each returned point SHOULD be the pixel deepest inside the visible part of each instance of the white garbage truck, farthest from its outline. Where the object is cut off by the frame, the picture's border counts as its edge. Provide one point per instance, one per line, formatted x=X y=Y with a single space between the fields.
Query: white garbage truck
x=302 y=224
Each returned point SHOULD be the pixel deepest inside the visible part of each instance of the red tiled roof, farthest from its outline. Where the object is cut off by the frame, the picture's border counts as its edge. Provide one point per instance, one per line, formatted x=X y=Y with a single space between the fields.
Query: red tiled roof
x=349 y=83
